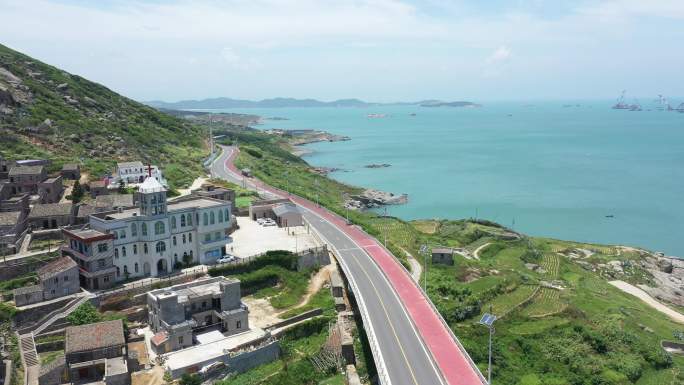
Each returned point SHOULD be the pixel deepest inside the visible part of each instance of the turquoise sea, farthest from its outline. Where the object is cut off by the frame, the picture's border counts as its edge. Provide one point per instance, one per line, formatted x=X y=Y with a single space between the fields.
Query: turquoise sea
x=585 y=173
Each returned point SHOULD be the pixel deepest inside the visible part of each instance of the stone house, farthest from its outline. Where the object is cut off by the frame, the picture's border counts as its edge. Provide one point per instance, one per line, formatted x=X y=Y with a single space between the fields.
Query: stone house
x=264 y=208
x=93 y=253
x=12 y=230
x=51 y=215
x=97 y=188
x=288 y=215
x=178 y=312
x=58 y=278
x=50 y=190
x=16 y=203
x=97 y=353
x=71 y=171
x=25 y=179
x=136 y=172
x=211 y=191
x=443 y=255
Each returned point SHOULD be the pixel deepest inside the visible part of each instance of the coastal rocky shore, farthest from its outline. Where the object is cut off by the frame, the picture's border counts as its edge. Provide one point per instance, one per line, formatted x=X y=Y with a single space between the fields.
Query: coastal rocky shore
x=371 y=198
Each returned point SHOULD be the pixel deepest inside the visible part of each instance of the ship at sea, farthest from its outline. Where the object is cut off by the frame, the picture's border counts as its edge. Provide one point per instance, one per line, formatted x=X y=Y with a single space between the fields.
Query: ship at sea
x=621 y=104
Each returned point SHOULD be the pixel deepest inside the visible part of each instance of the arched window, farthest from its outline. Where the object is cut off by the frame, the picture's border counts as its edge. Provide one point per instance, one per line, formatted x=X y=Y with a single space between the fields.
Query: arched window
x=206 y=219
x=182 y=220
x=190 y=253
x=212 y=218
x=159 y=228
x=174 y=240
x=226 y=214
x=123 y=251
x=123 y=234
x=220 y=217
x=173 y=222
x=117 y=271
x=116 y=235
x=175 y=258
x=160 y=247
x=145 y=248
x=125 y=269
x=134 y=229
x=116 y=253
x=136 y=267
x=183 y=238
x=189 y=237
x=144 y=228
x=189 y=219
x=135 y=249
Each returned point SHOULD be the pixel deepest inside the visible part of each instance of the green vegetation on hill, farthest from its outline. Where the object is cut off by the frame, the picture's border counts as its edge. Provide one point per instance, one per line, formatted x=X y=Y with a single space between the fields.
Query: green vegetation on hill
x=561 y=322
x=46 y=112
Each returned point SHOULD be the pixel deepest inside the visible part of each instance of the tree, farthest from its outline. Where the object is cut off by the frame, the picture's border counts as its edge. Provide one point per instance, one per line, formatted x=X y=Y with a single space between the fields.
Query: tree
x=190 y=379
x=77 y=192
x=187 y=260
x=122 y=187
x=84 y=314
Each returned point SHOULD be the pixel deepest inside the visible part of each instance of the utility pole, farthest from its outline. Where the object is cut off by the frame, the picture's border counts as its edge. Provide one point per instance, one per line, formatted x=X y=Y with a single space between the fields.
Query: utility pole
x=424 y=251
x=488 y=321
x=211 y=136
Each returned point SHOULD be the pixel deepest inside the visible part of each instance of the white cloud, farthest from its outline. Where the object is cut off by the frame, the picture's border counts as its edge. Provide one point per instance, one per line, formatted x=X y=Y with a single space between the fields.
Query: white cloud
x=501 y=54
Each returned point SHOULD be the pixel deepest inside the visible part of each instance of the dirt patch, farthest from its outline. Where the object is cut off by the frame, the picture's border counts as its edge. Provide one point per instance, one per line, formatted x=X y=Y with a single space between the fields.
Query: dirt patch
x=154 y=376
x=261 y=313
x=315 y=284
x=141 y=350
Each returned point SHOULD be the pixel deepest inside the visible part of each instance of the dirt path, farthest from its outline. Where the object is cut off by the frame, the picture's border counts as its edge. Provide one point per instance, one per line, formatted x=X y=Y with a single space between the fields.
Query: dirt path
x=650 y=301
x=476 y=253
x=196 y=184
x=317 y=281
x=416 y=268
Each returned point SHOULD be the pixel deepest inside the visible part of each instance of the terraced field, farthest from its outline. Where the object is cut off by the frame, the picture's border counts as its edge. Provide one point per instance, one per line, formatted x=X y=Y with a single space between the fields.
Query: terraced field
x=546 y=302
x=399 y=233
x=506 y=302
x=551 y=263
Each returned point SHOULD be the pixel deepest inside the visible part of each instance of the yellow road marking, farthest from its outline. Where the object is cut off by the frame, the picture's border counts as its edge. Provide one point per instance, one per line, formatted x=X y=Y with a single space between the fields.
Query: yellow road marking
x=384 y=309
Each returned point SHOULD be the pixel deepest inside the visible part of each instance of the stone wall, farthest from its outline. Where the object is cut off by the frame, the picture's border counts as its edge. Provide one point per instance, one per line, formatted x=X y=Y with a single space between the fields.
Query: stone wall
x=313 y=258
x=52 y=373
x=34 y=314
x=14 y=268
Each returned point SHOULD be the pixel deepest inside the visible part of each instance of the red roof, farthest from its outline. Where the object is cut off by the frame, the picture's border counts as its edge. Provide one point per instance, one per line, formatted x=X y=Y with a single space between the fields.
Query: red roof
x=159 y=338
x=57 y=266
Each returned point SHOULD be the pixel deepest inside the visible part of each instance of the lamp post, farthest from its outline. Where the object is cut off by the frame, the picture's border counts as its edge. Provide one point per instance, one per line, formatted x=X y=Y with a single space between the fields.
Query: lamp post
x=424 y=251
x=488 y=321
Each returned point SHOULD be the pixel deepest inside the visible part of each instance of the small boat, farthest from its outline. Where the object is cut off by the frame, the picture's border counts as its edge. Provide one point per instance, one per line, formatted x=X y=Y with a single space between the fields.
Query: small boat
x=610 y=216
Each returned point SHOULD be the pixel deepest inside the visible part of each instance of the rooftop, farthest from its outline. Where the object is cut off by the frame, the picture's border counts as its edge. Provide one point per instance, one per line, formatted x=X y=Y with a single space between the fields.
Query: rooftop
x=151 y=185
x=93 y=336
x=71 y=167
x=443 y=250
x=51 y=209
x=89 y=235
x=114 y=200
x=52 y=180
x=55 y=267
x=195 y=289
x=129 y=164
x=84 y=210
x=28 y=289
x=204 y=352
x=97 y=184
x=26 y=170
x=285 y=208
x=9 y=218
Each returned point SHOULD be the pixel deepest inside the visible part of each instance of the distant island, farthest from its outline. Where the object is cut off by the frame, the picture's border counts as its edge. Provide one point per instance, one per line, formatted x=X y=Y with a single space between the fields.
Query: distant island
x=224 y=103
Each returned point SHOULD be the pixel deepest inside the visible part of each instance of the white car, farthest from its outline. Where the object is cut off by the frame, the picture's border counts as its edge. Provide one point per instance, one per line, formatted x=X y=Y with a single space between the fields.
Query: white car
x=227 y=259
x=269 y=222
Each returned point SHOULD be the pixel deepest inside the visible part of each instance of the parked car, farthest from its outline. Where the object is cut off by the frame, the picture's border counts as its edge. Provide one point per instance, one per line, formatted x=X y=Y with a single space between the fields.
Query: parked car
x=227 y=259
x=270 y=222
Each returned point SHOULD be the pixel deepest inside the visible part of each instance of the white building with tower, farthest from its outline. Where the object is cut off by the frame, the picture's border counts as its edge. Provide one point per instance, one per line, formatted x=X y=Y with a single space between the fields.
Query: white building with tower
x=156 y=235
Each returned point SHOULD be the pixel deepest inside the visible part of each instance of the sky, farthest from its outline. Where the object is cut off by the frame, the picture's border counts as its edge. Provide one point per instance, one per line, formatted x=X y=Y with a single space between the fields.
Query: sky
x=376 y=50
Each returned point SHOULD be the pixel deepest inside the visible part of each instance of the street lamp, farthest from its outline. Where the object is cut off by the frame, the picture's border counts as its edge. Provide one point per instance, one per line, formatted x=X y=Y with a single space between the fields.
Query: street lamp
x=488 y=321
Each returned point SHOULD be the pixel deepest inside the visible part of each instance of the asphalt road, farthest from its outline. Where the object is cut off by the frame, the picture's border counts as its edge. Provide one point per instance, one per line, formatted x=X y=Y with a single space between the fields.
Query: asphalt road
x=402 y=350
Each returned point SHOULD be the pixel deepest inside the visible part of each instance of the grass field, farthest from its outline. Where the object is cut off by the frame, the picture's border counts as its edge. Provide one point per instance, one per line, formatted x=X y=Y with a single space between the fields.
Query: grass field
x=502 y=304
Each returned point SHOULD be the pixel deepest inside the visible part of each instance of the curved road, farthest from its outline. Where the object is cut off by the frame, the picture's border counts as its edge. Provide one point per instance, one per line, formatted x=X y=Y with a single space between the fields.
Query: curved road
x=411 y=343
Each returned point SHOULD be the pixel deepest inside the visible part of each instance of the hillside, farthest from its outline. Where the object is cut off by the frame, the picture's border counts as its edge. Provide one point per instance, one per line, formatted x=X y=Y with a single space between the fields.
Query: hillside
x=561 y=321
x=46 y=112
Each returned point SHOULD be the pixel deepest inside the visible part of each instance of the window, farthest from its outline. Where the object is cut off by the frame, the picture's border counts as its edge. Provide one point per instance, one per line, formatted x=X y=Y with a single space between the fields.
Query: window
x=118 y=273
x=56 y=279
x=66 y=278
x=134 y=229
x=226 y=215
x=238 y=324
x=217 y=235
x=182 y=220
x=220 y=216
x=116 y=253
x=101 y=247
x=159 y=228
x=135 y=249
x=207 y=237
x=174 y=240
x=206 y=219
x=135 y=267
x=122 y=234
x=145 y=247
x=180 y=340
x=125 y=269
x=189 y=219
x=100 y=262
x=204 y=304
x=160 y=247
x=143 y=227
x=173 y=222
x=123 y=251
x=212 y=218
x=183 y=238
x=106 y=278
x=189 y=237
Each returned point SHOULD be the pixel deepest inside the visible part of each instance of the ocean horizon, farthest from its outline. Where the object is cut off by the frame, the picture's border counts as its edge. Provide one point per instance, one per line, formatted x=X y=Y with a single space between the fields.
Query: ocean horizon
x=575 y=170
